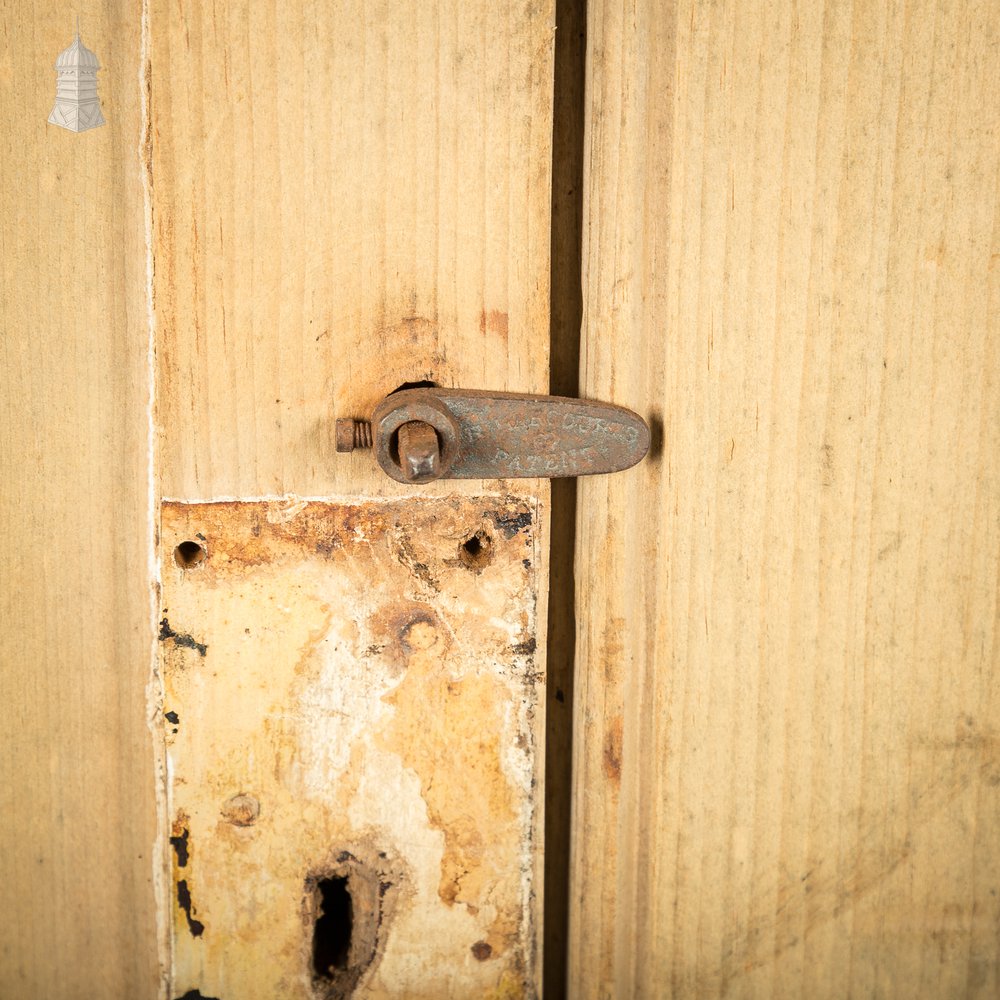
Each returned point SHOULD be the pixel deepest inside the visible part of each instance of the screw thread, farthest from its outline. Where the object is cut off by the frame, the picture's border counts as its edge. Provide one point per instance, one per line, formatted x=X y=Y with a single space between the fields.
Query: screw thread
x=351 y=434
x=362 y=434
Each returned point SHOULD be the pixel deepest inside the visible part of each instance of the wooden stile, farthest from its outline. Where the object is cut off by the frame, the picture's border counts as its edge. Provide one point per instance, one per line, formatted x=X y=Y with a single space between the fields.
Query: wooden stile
x=349 y=197
x=787 y=773
x=76 y=774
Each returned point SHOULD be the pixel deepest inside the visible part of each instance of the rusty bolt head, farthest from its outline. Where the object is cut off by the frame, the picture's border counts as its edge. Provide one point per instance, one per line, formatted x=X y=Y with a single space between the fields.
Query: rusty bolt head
x=414 y=406
x=419 y=452
x=344 y=434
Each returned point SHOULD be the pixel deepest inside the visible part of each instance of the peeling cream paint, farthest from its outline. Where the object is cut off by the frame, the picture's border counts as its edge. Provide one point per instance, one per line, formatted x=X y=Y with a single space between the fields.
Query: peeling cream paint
x=352 y=696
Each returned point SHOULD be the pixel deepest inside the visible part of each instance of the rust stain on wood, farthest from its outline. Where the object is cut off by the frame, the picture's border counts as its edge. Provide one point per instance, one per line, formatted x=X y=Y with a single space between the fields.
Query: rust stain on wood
x=494 y=321
x=613 y=750
x=360 y=735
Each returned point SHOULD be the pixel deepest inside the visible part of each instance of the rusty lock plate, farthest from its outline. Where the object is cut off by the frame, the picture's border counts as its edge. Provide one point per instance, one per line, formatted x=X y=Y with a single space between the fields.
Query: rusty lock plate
x=420 y=435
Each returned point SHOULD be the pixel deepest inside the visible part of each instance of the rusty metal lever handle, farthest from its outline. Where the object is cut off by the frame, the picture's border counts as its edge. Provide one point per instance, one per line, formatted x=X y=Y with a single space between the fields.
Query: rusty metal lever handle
x=420 y=435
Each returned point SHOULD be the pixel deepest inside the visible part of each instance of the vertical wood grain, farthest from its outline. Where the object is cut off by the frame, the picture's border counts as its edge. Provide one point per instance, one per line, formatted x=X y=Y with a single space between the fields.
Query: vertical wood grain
x=77 y=814
x=349 y=196
x=788 y=777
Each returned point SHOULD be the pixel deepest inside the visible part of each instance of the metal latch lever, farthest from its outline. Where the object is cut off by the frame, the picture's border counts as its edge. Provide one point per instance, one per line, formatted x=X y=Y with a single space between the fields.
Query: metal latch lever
x=420 y=435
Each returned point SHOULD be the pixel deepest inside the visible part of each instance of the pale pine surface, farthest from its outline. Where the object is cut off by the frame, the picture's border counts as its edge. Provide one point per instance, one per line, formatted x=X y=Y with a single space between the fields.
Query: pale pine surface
x=788 y=780
x=77 y=814
x=345 y=197
x=349 y=196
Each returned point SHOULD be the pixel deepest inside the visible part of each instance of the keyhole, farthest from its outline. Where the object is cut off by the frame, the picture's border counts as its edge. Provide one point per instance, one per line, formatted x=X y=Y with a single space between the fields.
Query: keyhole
x=332 y=933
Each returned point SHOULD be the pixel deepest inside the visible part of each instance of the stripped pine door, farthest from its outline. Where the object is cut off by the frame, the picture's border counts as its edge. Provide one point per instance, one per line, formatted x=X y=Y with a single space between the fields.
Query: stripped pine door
x=275 y=722
x=321 y=688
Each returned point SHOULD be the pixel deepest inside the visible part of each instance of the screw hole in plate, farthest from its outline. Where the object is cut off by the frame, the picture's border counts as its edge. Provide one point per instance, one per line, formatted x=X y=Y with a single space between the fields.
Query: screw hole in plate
x=190 y=554
x=476 y=551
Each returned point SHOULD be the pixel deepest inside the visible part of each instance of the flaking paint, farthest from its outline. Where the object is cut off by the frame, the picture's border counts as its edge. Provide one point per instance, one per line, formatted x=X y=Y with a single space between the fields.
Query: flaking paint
x=371 y=695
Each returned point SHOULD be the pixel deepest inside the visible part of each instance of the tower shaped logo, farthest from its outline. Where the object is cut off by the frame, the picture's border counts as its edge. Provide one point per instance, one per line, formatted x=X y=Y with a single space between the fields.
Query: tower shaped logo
x=77 y=106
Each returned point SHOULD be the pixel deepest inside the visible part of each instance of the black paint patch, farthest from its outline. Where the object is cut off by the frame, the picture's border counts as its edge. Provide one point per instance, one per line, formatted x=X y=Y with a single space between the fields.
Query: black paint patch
x=196 y=927
x=180 y=845
x=180 y=638
x=510 y=524
x=172 y=717
x=195 y=995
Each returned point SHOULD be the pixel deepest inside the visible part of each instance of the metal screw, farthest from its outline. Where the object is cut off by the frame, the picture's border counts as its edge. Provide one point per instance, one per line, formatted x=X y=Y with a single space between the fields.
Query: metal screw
x=241 y=810
x=351 y=434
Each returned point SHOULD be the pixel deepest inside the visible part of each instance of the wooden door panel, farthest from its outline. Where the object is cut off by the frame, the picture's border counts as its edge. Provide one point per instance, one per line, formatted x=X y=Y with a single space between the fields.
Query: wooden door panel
x=77 y=800
x=787 y=775
x=348 y=197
